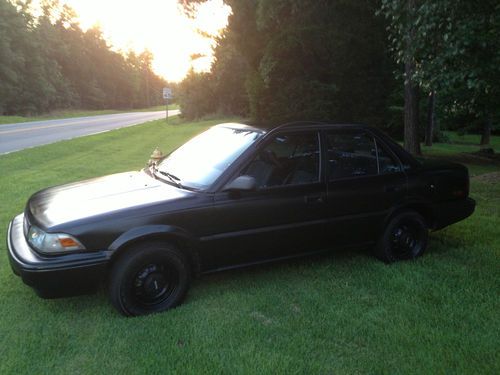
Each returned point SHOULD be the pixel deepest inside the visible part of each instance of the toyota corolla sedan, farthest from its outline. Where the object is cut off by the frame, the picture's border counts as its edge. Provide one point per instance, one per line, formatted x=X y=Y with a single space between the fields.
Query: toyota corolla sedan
x=233 y=196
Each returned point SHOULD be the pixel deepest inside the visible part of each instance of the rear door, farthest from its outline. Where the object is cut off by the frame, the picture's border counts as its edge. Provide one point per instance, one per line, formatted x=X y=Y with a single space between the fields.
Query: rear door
x=364 y=180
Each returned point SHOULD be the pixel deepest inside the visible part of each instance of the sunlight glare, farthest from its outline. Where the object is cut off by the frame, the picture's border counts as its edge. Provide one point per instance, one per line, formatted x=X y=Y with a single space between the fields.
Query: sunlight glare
x=157 y=25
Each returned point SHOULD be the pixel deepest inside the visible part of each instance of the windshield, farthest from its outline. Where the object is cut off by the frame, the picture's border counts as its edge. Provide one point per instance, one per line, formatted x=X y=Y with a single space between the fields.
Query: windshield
x=200 y=161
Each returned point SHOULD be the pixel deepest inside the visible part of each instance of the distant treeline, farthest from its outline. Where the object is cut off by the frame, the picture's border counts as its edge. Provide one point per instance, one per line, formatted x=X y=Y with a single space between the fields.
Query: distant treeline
x=48 y=62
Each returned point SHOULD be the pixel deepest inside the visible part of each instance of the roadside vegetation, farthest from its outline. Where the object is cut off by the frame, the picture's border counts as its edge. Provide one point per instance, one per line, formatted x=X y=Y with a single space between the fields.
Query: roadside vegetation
x=340 y=313
x=49 y=63
x=62 y=114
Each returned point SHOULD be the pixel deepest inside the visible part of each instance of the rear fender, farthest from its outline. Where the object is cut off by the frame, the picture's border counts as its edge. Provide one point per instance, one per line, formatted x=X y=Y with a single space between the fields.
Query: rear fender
x=421 y=207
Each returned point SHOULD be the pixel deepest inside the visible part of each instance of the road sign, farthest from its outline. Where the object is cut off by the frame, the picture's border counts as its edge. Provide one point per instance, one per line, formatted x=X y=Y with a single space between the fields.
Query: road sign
x=167 y=93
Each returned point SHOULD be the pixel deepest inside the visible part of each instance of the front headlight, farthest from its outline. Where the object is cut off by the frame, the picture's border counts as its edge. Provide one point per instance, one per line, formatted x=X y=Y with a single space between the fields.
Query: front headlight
x=52 y=243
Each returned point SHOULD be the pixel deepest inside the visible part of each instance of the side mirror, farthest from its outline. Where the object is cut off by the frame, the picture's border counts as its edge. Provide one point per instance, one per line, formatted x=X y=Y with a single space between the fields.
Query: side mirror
x=241 y=183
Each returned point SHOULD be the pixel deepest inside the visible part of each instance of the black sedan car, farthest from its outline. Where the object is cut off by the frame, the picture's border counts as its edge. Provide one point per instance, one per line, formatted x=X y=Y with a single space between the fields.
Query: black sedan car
x=233 y=196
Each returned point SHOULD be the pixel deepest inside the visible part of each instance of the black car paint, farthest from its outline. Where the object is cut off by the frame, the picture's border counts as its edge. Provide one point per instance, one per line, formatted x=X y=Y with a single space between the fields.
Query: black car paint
x=222 y=229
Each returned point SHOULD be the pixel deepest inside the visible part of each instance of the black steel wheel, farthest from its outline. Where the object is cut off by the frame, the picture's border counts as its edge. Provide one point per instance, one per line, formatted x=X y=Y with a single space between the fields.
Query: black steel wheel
x=405 y=237
x=148 y=278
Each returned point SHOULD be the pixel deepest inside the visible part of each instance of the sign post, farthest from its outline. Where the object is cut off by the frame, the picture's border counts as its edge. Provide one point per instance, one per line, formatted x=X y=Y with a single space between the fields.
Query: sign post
x=167 y=94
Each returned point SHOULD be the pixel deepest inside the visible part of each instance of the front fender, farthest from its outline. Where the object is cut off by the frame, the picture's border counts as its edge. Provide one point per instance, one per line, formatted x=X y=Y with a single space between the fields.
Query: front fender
x=143 y=232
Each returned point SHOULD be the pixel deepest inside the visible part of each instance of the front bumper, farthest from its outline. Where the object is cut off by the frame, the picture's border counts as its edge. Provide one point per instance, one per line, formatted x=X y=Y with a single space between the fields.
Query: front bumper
x=55 y=276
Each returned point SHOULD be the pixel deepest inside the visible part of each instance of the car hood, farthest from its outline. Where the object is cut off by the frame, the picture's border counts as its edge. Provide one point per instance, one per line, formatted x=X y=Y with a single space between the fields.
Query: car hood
x=80 y=200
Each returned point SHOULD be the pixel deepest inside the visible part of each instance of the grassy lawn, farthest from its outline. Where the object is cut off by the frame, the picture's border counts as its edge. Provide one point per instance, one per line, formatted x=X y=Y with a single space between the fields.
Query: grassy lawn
x=342 y=313
x=462 y=149
x=471 y=139
x=78 y=113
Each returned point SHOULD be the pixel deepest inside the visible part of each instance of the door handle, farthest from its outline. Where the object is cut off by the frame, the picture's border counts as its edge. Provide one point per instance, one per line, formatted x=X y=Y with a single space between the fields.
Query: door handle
x=317 y=198
x=393 y=188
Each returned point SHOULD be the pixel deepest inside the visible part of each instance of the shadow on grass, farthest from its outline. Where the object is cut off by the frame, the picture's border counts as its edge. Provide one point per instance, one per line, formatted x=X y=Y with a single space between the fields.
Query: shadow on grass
x=276 y=274
x=281 y=272
x=444 y=238
x=468 y=158
x=92 y=303
x=284 y=271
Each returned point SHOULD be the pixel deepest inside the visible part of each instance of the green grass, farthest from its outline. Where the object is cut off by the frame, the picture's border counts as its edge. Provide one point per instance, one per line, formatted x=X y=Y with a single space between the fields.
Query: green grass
x=158 y=108
x=471 y=139
x=78 y=113
x=463 y=149
x=343 y=313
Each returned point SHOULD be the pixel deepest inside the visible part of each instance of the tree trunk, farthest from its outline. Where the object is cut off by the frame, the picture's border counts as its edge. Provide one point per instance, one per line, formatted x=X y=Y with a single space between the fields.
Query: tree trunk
x=431 y=119
x=412 y=142
x=485 y=137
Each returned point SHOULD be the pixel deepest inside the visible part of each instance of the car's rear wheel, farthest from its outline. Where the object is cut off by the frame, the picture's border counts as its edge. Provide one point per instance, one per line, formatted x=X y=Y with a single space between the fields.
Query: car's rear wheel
x=405 y=237
x=148 y=278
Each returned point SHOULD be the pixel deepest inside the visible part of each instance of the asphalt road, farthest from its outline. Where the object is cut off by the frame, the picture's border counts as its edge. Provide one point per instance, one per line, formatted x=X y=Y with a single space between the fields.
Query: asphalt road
x=15 y=137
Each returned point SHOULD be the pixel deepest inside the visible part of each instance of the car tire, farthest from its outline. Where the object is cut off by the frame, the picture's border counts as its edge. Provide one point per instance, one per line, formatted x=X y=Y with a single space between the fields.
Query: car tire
x=148 y=278
x=405 y=237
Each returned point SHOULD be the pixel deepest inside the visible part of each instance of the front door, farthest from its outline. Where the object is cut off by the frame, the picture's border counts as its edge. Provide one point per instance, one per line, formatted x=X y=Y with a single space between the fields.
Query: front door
x=285 y=216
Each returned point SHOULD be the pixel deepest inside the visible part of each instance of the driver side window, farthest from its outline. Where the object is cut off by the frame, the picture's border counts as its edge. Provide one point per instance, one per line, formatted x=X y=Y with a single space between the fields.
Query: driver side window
x=289 y=159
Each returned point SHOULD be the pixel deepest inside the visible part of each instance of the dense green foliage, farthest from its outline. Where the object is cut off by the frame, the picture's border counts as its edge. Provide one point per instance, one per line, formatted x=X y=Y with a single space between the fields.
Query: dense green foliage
x=282 y=60
x=48 y=62
x=344 y=313
x=197 y=96
x=455 y=48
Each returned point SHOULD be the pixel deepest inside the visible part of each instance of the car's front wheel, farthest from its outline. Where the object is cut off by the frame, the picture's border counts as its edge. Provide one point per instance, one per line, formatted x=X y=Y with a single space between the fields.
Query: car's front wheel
x=405 y=237
x=148 y=278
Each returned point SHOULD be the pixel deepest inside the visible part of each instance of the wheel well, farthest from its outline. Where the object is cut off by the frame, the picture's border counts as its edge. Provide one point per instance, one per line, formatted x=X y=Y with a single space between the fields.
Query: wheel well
x=422 y=209
x=181 y=244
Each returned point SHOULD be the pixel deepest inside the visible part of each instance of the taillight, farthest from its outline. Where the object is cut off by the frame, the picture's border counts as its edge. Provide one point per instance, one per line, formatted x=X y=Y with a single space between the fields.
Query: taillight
x=462 y=191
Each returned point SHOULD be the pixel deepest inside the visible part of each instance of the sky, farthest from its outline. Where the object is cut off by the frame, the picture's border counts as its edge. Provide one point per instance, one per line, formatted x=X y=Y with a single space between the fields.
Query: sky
x=158 y=25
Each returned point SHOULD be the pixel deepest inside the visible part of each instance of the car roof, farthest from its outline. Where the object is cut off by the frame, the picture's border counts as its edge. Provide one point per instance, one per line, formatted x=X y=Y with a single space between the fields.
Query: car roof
x=291 y=125
x=238 y=126
x=319 y=124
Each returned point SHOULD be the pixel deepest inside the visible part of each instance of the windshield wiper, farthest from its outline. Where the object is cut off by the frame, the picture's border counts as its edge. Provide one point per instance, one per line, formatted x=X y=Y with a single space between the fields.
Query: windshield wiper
x=171 y=177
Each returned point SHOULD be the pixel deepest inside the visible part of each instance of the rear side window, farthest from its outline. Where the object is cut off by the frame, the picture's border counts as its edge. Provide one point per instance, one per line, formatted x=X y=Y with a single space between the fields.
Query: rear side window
x=354 y=154
x=387 y=164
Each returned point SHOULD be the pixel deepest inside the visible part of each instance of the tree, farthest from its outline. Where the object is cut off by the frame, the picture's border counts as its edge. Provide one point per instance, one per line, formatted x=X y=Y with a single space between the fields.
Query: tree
x=455 y=48
x=30 y=79
x=13 y=33
x=308 y=60
x=48 y=62
x=229 y=71
x=197 y=95
x=403 y=33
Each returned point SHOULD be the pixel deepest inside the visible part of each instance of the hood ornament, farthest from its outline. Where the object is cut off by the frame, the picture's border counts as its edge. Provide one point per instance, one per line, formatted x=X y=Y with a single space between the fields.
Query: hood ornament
x=155 y=157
